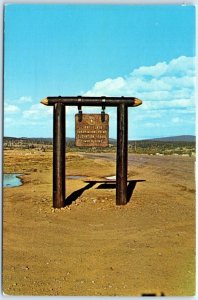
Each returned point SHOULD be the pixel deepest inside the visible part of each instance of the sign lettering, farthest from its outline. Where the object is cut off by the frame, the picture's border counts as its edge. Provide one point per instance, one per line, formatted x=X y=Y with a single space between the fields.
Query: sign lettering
x=92 y=131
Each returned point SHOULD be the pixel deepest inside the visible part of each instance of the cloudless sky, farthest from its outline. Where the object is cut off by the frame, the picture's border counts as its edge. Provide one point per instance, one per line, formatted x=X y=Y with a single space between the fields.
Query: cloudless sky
x=52 y=50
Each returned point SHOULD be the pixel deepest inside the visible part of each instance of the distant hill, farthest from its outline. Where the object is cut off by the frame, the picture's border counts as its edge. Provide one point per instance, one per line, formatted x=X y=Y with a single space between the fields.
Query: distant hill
x=180 y=138
x=34 y=140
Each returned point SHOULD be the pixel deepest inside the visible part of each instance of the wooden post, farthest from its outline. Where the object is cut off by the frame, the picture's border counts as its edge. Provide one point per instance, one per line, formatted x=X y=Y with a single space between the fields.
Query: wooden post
x=59 y=103
x=122 y=154
x=59 y=156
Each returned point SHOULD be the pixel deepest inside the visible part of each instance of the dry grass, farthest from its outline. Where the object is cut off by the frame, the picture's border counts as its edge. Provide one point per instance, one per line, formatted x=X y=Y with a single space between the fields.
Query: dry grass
x=94 y=247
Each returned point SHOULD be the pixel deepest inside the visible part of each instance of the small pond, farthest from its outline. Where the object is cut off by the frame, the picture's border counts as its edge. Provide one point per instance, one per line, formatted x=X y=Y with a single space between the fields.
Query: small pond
x=11 y=180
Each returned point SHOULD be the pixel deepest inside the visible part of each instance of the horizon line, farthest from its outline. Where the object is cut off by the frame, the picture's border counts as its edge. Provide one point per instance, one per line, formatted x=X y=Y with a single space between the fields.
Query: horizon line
x=143 y=138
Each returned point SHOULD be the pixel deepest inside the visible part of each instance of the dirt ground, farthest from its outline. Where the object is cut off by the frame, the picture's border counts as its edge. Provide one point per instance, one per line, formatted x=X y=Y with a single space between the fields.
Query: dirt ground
x=93 y=247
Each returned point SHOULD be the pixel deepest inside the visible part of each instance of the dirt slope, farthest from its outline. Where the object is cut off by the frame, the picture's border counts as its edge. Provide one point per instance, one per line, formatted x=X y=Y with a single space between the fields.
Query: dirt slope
x=94 y=247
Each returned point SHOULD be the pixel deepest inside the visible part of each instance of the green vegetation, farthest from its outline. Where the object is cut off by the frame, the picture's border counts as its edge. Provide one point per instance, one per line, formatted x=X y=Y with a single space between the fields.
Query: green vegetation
x=162 y=147
x=151 y=147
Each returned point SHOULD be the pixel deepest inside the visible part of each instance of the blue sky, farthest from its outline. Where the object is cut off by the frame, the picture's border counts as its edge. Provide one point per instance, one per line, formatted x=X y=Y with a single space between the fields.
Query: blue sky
x=113 y=50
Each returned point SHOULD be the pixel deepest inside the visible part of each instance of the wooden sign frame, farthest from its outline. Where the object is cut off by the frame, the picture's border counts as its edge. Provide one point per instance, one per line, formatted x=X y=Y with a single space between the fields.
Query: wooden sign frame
x=59 y=103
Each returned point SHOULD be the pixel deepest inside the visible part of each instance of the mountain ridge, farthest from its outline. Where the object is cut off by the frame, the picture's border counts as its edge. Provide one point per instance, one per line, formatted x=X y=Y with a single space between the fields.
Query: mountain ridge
x=178 y=138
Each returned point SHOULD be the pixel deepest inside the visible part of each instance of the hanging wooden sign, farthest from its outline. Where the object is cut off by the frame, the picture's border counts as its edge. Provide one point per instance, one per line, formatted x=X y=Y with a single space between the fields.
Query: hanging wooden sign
x=92 y=130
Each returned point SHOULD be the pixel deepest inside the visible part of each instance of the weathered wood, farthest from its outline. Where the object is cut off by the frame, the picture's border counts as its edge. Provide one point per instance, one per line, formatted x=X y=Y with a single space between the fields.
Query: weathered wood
x=59 y=103
x=92 y=101
x=91 y=130
x=59 y=156
x=122 y=154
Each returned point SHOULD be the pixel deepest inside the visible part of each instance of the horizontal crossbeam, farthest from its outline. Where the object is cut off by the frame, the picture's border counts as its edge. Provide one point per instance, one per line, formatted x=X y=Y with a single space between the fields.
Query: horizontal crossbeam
x=92 y=101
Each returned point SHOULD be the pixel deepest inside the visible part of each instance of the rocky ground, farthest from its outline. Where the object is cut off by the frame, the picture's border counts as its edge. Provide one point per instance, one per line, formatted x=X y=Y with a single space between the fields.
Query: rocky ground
x=92 y=246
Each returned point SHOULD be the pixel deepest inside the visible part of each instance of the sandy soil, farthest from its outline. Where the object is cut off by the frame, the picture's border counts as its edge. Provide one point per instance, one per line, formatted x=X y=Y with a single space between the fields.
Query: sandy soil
x=94 y=247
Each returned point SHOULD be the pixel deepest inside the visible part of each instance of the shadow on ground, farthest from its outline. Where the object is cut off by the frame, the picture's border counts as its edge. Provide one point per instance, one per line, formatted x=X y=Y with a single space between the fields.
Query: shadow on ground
x=130 y=187
x=76 y=194
x=103 y=185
